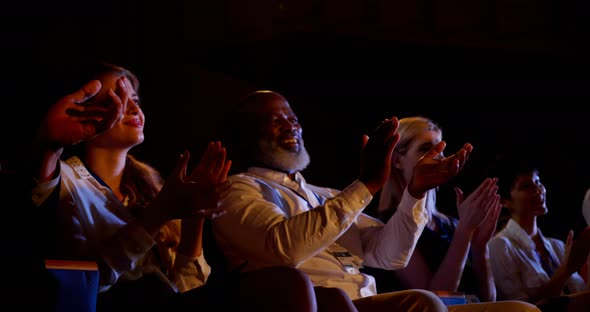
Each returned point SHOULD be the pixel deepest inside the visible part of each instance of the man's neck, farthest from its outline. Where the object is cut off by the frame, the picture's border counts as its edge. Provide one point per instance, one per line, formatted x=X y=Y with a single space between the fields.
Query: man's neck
x=290 y=173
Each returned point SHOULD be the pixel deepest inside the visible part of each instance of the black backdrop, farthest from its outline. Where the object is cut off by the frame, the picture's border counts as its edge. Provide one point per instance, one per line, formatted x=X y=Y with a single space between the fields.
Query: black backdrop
x=339 y=83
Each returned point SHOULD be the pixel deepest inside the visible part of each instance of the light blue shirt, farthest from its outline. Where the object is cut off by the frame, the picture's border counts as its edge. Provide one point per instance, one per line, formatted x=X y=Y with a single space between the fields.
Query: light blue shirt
x=94 y=225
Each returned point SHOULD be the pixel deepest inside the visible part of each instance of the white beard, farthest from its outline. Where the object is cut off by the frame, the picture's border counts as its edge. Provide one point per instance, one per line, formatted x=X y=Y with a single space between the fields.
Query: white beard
x=274 y=156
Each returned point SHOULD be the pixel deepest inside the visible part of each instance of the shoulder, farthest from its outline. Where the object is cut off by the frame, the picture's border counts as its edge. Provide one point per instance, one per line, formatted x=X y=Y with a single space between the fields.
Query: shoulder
x=250 y=183
x=499 y=242
x=247 y=179
x=73 y=168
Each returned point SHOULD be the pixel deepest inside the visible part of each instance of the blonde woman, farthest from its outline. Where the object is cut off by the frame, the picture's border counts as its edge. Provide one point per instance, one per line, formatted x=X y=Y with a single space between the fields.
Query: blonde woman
x=451 y=254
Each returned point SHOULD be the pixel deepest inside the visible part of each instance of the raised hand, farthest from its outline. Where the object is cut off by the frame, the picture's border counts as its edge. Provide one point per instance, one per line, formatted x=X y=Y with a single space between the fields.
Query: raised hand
x=486 y=229
x=478 y=207
x=76 y=118
x=376 y=154
x=211 y=172
x=433 y=169
x=577 y=250
x=200 y=193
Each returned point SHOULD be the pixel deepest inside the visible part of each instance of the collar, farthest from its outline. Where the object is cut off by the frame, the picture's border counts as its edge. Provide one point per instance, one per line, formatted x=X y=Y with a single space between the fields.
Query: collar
x=521 y=237
x=277 y=176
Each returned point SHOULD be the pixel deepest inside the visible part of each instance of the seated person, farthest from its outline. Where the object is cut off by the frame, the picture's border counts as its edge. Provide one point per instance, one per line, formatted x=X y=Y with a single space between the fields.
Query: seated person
x=451 y=254
x=526 y=264
x=104 y=205
x=274 y=217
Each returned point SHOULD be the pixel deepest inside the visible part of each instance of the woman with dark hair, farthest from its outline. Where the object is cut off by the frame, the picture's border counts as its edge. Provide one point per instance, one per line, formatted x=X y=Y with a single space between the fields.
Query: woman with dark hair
x=526 y=264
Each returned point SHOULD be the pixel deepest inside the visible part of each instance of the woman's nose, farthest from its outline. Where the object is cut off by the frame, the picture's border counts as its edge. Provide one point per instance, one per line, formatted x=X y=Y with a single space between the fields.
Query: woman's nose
x=132 y=107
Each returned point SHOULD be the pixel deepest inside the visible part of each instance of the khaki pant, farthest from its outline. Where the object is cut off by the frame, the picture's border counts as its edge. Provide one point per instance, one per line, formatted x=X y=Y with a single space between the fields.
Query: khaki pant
x=416 y=300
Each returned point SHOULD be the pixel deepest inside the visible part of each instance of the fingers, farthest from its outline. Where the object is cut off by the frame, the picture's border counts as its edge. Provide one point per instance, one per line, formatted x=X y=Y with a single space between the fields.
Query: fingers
x=464 y=154
x=115 y=112
x=205 y=162
x=457 y=160
x=179 y=170
x=122 y=91
x=394 y=125
x=486 y=189
x=496 y=208
x=468 y=148
x=364 y=141
x=459 y=196
x=454 y=167
x=486 y=195
x=213 y=163
x=103 y=114
x=489 y=205
x=223 y=176
x=392 y=142
x=219 y=166
x=87 y=91
x=570 y=238
x=436 y=150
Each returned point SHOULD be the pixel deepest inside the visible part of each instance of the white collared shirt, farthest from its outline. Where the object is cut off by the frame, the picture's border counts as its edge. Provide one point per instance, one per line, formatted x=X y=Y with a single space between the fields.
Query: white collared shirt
x=517 y=268
x=94 y=225
x=272 y=220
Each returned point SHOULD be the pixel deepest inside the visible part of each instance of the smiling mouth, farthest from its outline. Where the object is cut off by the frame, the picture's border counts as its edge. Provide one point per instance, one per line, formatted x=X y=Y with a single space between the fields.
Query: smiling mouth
x=134 y=123
x=291 y=143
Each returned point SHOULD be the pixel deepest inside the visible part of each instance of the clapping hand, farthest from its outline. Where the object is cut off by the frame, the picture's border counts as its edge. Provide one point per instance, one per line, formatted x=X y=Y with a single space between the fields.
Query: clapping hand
x=479 y=212
x=433 y=170
x=577 y=250
x=211 y=173
x=376 y=154
x=76 y=117
x=200 y=193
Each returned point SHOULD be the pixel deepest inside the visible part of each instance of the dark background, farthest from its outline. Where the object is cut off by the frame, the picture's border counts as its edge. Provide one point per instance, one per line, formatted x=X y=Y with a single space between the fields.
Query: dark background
x=506 y=76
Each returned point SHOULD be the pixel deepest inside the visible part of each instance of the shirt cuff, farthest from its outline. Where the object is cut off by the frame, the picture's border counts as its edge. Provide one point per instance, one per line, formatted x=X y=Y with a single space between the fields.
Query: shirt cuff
x=42 y=190
x=414 y=207
x=135 y=239
x=357 y=195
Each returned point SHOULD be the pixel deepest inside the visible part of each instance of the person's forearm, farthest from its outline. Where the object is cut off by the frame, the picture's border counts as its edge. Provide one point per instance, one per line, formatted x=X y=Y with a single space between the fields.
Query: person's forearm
x=257 y=226
x=45 y=164
x=404 y=227
x=191 y=237
x=483 y=272
x=448 y=275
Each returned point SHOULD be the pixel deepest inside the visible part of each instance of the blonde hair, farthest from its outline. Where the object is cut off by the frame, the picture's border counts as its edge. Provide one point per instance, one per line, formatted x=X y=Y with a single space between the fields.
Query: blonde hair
x=410 y=127
x=391 y=194
x=141 y=183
